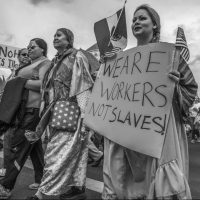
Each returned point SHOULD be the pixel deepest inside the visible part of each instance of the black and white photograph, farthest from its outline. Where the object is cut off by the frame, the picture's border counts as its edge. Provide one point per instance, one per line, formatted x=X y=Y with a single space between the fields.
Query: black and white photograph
x=99 y=99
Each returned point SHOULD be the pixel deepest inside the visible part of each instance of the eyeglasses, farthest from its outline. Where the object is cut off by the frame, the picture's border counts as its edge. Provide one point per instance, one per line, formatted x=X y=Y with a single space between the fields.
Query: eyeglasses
x=32 y=47
x=24 y=54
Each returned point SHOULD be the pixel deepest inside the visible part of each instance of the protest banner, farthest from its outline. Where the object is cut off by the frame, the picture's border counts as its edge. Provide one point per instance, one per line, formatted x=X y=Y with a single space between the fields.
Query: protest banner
x=131 y=100
x=8 y=56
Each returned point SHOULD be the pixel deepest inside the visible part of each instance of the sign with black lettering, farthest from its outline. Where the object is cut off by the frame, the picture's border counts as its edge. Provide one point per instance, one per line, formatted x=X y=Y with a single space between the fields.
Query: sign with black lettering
x=131 y=100
x=8 y=56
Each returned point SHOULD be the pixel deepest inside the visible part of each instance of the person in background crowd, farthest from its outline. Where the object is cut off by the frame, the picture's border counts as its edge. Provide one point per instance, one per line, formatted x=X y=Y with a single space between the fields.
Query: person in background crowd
x=196 y=125
x=2 y=85
x=132 y=175
x=24 y=60
x=23 y=57
x=5 y=73
x=26 y=117
x=94 y=153
x=66 y=152
x=98 y=140
x=188 y=129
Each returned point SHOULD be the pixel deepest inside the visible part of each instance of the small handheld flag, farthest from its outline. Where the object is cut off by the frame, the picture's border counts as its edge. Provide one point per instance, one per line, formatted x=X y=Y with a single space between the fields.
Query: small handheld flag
x=182 y=43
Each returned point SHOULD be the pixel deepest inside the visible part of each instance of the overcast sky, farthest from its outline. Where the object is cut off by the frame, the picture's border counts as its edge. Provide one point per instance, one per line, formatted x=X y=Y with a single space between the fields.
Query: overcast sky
x=22 y=20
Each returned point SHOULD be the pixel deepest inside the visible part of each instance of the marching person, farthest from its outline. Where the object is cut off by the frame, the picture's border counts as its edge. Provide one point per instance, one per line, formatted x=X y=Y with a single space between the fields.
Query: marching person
x=24 y=60
x=132 y=175
x=68 y=81
x=25 y=89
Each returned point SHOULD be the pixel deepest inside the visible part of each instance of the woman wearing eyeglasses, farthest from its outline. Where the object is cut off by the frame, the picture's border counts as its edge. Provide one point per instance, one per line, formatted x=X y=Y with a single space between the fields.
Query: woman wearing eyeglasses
x=27 y=118
x=23 y=57
x=24 y=60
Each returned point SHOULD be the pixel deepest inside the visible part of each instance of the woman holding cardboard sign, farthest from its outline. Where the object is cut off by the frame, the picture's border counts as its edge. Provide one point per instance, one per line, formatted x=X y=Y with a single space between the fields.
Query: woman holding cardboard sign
x=133 y=175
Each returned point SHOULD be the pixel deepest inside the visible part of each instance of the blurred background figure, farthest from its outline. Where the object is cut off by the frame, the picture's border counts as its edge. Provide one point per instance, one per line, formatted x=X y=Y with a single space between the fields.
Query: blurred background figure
x=4 y=75
x=24 y=60
x=188 y=129
x=195 y=124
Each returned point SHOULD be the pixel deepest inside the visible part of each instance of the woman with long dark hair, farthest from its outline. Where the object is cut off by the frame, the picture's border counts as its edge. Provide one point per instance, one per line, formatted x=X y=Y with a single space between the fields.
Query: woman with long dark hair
x=68 y=81
x=27 y=82
x=132 y=175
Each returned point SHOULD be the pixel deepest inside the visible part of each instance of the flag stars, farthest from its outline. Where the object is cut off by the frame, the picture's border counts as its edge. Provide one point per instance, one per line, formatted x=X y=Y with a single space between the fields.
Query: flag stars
x=65 y=116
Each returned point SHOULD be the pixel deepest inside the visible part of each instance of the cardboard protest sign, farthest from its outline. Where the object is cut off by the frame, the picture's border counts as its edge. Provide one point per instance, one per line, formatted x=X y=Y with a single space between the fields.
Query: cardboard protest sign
x=131 y=101
x=8 y=56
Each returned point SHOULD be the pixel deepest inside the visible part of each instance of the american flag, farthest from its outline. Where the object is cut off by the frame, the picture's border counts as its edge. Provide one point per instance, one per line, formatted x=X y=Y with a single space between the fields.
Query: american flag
x=182 y=43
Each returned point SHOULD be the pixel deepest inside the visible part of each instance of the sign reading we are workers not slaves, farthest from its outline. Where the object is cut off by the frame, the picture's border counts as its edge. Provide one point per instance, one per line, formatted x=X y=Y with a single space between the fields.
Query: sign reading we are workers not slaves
x=131 y=100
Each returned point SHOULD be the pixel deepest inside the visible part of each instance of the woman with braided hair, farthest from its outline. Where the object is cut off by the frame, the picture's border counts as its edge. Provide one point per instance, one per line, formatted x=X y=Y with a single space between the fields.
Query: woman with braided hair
x=132 y=175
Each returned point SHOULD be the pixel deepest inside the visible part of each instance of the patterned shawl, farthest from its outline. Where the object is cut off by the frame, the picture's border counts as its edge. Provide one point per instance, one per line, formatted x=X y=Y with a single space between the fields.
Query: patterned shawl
x=81 y=78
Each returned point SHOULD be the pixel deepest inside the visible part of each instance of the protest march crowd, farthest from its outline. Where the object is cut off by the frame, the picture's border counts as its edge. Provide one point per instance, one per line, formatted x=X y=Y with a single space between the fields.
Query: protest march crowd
x=42 y=114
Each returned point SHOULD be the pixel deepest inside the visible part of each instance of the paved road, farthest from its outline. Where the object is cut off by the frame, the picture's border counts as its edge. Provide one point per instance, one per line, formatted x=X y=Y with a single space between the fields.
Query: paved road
x=194 y=176
x=94 y=180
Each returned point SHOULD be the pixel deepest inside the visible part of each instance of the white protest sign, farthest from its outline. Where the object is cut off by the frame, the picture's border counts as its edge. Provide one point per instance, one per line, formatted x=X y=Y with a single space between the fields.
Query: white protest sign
x=8 y=56
x=131 y=101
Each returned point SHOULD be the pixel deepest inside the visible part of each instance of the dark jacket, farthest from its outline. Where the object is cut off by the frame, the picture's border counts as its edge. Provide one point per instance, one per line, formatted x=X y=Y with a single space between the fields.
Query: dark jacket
x=11 y=99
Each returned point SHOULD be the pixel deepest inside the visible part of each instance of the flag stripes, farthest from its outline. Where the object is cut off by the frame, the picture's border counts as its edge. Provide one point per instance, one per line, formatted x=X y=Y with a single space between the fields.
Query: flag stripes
x=182 y=43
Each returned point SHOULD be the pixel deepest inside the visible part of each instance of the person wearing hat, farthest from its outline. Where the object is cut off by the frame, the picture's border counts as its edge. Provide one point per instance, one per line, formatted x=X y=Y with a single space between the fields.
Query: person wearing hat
x=66 y=152
x=128 y=174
